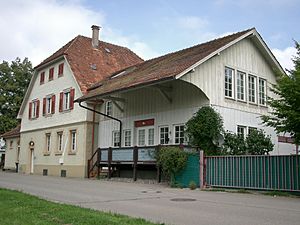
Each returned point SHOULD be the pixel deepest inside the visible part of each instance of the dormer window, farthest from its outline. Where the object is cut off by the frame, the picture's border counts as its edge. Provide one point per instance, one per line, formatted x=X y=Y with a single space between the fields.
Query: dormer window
x=51 y=73
x=60 y=69
x=42 y=77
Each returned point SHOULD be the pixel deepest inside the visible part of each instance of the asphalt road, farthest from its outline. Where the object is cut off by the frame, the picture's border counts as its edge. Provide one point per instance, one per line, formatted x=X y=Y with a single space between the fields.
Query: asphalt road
x=158 y=203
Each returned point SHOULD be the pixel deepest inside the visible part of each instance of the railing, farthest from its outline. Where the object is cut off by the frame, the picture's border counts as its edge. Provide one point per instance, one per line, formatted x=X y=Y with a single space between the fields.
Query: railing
x=254 y=172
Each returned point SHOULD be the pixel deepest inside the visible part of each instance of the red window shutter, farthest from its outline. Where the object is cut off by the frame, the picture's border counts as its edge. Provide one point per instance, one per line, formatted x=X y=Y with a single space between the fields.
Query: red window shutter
x=37 y=108
x=72 y=94
x=60 y=69
x=42 y=78
x=30 y=110
x=44 y=106
x=51 y=72
x=61 y=98
x=53 y=104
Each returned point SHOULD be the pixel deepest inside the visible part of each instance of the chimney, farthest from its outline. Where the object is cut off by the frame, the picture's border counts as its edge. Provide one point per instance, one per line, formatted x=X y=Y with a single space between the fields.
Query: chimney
x=95 y=36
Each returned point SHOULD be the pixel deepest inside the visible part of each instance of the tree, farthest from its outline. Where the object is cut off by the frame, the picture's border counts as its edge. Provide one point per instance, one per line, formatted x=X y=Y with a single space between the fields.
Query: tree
x=14 y=79
x=285 y=115
x=204 y=129
x=234 y=144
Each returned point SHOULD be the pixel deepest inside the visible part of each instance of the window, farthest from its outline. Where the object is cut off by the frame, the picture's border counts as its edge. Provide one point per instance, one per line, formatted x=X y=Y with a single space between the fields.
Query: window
x=48 y=142
x=51 y=73
x=240 y=80
x=164 y=135
x=59 y=141
x=252 y=89
x=229 y=82
x=251 y=129
x=108 y=108
x=60 y=69
x=116 y=138
x=127 y=138
x=151 y=136
x=42 y=77
x=262 y=92
x=34 y=108
x=141 y=137
x=241 y=131
x=49 y=105
x=73 y=140
x=66 y=100
x=11 y=144
x=179 y=134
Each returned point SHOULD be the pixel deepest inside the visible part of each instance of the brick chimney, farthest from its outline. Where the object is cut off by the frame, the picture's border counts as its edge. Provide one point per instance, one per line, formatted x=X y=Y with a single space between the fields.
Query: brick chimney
x=95 y=36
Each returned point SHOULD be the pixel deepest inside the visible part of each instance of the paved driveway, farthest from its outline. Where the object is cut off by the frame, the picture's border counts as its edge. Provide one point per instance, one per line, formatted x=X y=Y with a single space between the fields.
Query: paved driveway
x=156 y=202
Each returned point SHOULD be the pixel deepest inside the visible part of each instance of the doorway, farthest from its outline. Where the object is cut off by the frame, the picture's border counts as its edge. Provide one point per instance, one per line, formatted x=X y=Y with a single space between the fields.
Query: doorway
x=31 y=160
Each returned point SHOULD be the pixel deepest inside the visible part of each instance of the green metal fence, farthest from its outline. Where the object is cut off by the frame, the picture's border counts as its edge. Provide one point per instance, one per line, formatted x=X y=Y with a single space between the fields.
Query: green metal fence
x=254 y=172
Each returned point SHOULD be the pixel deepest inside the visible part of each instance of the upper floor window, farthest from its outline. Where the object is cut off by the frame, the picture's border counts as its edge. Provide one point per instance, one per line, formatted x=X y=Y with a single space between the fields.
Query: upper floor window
x=73 y=140
x=141 y=137
x=34 y=108
x=262 y=92
x=59 y=141
x=66 y=100
x=48 y=142
x=116 y=138
x=60 y=69
x=164 y=135
x=127 y=138
x=51 y=73
x=229 y=73
x=108 y=108
x=49 y=105
x=179 y=134
x=240 y=85
x=42 y=77
x=151 y=136
x=252 y=88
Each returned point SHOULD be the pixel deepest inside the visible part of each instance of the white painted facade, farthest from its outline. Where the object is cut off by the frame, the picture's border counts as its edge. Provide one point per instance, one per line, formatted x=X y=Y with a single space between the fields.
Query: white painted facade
x=202 y=86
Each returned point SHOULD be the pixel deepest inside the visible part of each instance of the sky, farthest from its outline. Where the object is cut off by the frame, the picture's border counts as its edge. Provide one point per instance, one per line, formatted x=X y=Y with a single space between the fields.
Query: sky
x=37 y=28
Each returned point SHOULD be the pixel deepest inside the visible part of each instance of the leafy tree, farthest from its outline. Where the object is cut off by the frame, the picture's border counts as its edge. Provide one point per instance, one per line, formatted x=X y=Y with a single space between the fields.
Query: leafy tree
x=204 y=128
x=258 y=143
x=285 y=116
x=14 y=79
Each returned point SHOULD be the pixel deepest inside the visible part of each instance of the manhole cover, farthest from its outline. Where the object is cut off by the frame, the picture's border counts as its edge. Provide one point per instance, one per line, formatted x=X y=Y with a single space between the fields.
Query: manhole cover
x=183 y=199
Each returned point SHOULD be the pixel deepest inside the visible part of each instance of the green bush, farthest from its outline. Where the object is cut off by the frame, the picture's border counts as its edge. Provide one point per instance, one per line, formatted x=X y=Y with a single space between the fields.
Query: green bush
x=171 y=160
x=192 y=185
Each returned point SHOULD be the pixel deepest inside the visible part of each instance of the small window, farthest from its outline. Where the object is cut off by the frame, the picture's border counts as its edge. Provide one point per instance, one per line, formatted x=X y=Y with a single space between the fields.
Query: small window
x=164 y=135
x=116 y=138
x=48 y=104
x=60 y=69
x=141 y=137
x=73 y=140
x=229 y=73
x=151 y=136
x=51 y=73
x=240 y=86
x=108 y=108
x=59 y=141
x=241 y=131
x=66 y=102
x=179 y=134
x=127 y=138
x=251 y=129
x=42 y=77
x=35 y=108
x=252 y=89
x=262 y=92
x=48 y=142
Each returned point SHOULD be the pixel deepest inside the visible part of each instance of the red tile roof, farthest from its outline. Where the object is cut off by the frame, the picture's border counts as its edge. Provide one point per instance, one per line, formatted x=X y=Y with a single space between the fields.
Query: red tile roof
x=91 y=65
x=15 y=132
x=157 y=69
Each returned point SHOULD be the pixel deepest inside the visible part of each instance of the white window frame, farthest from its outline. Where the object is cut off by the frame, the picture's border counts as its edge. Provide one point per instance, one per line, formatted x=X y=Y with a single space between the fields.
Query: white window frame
x=48 y=142
x=252 y=90
x=127 y=138
x=49 y=104
x=60 y=141
x=66 y=99
x=251 y=128
x=163 y=139
x=109 y=108
x=116 y=138
x=151 y=137
x=178 y=135
x=34 y=109
x=141 y=135
x=73 y=141
x=243 y=129
x=241 y=86
x=262 y=92
x=229 y=86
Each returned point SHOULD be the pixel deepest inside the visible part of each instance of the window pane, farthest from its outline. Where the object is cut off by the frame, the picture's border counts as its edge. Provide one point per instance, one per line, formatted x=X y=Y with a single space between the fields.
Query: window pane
x=151 y=136
x=116 y=138
x=240 y=85
x=141 y=137
x=228 y=82
x=252 y=88
x=127 y=138
x=164 y=135
x=179 y=134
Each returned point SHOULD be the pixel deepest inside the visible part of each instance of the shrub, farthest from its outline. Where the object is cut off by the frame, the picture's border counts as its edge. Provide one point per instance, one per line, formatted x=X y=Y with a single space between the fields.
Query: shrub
x=258 y=143
x=192 y=185
x=234 y=144
x=171 y=160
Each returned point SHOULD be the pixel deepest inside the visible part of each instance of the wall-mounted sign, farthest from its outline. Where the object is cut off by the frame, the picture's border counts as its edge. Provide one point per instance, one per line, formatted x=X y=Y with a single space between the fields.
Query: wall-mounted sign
x=143 y=123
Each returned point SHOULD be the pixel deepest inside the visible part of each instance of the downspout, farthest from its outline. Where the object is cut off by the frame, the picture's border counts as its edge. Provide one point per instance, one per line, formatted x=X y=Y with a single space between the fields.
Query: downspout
x=93 y=131
x=110 y=117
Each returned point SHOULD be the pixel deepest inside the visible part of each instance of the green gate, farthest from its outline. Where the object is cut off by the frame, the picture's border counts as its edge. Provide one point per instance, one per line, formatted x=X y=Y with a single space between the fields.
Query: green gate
x=254 y=172
x=190 y=172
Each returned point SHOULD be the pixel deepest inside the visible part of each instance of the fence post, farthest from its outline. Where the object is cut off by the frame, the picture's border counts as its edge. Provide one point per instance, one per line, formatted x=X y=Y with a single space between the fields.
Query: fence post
x=135 y=160
x=201 y=167
x=109 y=159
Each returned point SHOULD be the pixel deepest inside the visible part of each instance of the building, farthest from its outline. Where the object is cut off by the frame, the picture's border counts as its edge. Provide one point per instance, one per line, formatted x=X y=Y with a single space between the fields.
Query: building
x=56 y=135
x=154 y=99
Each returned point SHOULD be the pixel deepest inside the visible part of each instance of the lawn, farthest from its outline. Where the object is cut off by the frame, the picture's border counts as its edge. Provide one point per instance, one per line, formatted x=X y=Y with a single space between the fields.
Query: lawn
x=19 y=208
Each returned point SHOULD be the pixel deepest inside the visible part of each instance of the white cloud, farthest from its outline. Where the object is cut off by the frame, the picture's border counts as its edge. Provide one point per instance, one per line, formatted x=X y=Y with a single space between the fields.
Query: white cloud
x=284 y=57
x=192 y=22
x=36 y=29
